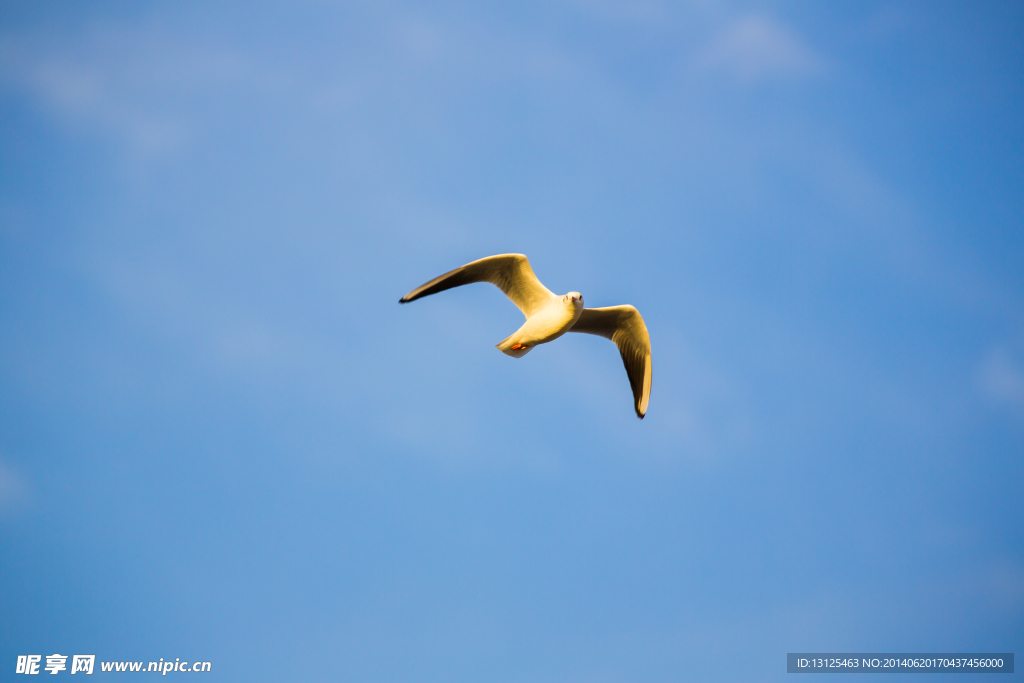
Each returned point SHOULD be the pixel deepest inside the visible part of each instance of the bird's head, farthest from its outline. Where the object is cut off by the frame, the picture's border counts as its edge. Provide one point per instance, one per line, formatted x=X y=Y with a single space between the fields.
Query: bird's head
x=574 y=299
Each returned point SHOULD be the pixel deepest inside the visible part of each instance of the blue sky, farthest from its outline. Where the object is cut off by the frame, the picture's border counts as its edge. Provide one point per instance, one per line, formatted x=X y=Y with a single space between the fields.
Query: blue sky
x=222 y=439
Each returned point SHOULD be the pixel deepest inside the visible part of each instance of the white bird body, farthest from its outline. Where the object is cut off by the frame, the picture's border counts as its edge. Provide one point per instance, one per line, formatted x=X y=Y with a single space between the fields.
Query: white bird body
x=556 y=318
x=549 y=316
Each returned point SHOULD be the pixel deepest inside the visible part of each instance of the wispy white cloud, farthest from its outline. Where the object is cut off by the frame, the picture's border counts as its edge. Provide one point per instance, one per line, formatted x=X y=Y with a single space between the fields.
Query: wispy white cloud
x=1003 y=582
x=229 y=331
x=616 y=10
x=759 y=48
x=1001 y=376
x=133 y=83
x=15 y=490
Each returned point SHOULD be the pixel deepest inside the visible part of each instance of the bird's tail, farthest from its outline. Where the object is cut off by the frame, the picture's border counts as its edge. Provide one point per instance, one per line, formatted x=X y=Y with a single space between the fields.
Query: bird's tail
x=506 y=344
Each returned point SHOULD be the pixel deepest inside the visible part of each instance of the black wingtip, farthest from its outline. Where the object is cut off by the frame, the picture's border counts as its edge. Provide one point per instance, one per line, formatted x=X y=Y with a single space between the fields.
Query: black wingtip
x=402 y=301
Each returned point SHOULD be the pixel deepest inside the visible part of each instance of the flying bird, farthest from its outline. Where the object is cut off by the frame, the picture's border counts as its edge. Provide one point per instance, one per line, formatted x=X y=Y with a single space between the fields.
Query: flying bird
x=549 y=316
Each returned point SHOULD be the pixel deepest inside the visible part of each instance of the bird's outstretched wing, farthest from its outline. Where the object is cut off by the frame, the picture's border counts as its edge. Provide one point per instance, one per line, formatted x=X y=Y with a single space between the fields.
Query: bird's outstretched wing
x=510 y=272
x=624 y=326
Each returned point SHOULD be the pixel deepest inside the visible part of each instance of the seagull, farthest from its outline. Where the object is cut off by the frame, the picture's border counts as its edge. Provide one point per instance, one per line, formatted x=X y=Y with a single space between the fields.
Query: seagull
x=549 y=316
